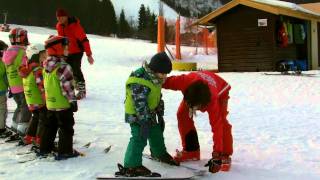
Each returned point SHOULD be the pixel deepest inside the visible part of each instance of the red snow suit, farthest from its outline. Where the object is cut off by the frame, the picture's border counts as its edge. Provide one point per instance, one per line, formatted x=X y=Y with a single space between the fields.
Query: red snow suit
x=78 y=41
x=217 y=109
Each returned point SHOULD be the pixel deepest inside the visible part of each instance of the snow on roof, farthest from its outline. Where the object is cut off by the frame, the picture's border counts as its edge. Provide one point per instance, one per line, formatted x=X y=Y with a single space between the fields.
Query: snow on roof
x=287 y=5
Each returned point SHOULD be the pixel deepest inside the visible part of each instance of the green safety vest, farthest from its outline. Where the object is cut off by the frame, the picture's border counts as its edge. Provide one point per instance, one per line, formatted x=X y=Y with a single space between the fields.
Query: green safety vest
x=153 y=98
x=3 y=85
x=54 y=97
x=31 y=90
x=12 y=71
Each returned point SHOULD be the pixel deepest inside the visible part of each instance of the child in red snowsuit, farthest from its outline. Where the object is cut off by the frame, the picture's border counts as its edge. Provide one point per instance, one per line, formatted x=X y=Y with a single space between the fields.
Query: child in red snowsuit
x=207 y=92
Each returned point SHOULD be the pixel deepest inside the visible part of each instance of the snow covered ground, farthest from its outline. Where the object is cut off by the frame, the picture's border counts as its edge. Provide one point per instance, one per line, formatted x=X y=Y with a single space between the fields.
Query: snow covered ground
x=275 y=122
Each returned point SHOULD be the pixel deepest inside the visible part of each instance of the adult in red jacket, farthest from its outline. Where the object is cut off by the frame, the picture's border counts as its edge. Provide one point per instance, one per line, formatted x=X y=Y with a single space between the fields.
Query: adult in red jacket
x=78 y=43
x=207 y=92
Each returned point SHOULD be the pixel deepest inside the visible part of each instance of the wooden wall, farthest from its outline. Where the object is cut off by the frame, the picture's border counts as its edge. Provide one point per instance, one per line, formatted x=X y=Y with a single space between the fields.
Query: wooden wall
x=244 y=46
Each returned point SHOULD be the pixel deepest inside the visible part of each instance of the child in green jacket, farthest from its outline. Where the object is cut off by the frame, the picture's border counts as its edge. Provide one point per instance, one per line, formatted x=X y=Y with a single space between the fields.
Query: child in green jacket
x=3 y=92
x=142 y=107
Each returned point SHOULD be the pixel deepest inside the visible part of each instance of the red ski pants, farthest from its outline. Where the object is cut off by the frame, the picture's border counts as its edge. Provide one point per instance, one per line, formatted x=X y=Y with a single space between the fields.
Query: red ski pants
x=222 y=135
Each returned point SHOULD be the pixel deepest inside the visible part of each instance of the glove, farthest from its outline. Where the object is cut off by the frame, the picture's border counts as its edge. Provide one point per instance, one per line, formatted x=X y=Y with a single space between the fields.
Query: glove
x=145 y=129
x=10 y=95
x=74 y=106
x=161 y=122
x=214 y=165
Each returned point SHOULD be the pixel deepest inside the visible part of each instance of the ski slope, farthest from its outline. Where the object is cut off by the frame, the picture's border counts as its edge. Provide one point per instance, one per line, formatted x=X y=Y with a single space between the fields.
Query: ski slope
x=275 y=122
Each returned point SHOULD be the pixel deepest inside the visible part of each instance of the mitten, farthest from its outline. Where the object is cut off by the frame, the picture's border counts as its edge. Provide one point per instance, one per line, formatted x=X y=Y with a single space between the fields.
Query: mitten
x=74 y=106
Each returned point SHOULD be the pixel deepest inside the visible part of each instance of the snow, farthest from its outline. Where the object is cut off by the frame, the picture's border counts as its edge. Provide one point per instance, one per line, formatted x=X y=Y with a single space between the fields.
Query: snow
x=275 y=122
x=131 y=8
x=288 y=5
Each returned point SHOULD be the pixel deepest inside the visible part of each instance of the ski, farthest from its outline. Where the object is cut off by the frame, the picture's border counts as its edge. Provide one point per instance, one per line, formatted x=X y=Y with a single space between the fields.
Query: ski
x=196 y=172
x=152 y=175
x=106 y=177
x=291 y=74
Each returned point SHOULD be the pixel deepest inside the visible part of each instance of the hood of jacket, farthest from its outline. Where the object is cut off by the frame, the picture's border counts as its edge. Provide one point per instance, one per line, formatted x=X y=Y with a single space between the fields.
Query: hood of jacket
x=51 y=63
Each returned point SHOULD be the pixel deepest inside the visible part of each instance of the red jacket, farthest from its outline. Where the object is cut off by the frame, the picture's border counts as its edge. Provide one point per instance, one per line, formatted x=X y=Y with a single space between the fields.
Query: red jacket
x=217 y=85
x=78 y=41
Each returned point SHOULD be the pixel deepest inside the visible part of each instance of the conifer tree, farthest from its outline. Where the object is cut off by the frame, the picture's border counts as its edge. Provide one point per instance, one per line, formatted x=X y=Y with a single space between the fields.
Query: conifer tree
x=124 y=29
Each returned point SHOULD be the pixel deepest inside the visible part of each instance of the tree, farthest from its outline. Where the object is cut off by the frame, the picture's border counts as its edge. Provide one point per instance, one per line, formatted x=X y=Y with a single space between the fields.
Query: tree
x=152 y=27
x=124 y=28
x=142 y=18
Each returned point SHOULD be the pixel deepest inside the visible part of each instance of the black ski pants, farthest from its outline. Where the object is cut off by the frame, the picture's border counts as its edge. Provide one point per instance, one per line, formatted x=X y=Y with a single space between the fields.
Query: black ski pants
x=36 y=124
x=74 y=60
x=61 y=121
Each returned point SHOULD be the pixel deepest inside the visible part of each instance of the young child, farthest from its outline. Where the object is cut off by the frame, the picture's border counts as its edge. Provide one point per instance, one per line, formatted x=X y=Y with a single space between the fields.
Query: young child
x=60 y=100
x=31 y=72
x=203 y=91
x=3 y=94
x=142 y=105
x=12 y=58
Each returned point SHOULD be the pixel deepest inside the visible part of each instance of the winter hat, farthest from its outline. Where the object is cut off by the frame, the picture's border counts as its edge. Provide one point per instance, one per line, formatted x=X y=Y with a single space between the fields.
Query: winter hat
x=55 y=45
x=18 y=36
x=61 y=12
x=160 y=63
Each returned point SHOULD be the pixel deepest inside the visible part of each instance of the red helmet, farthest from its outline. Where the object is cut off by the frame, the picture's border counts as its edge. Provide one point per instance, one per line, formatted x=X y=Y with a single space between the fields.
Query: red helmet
x=18 y=36
x=55 y=45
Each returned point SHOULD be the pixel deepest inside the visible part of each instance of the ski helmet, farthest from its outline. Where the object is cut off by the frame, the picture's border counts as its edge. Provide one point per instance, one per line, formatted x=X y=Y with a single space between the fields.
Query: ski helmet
x=33 y=51
x=18 y=36
x=55 y=45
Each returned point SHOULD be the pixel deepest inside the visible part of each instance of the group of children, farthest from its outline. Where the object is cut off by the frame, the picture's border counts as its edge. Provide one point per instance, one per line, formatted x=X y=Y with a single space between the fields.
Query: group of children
x=144 y=109
x=41 y=84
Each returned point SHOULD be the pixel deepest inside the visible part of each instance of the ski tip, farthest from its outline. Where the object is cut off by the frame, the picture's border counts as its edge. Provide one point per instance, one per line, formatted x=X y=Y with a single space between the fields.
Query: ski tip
x=106 y=150
x=87 y=145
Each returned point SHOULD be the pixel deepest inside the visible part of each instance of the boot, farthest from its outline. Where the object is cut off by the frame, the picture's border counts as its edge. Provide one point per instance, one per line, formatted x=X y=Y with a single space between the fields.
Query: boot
x=13 y=138
x=168 y=159
x=81 y=86
x=224 y=159
x=182 y=156
x=4 y=133
x=74 y=154
x=37 y=141
x=135 y=172
x=225 y=163
x=28 y=139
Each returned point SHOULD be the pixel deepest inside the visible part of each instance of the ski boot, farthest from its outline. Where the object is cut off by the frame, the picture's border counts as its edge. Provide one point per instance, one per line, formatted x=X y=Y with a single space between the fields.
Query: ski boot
x=167 y=158
x=26 y=140
x=225 y=163
x=81 y=87
x=135 y=172
x=4 y=133
x=74 y=154
x=13 y=138
x=219 y=163
x=182 y=156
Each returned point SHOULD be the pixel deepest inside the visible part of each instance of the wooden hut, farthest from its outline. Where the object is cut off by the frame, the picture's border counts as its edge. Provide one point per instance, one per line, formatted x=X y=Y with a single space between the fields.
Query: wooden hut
x=253 y=35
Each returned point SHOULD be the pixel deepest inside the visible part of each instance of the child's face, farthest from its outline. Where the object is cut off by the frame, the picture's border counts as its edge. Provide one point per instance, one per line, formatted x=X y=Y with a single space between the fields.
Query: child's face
x=42 y=56
x=161 y=76
x=65 y=50
x=62 y=19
